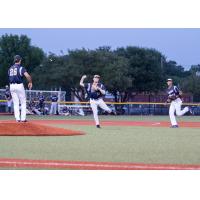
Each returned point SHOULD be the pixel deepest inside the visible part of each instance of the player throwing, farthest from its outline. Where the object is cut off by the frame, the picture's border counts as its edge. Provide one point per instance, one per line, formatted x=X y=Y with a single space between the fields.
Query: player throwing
x=174 y=98
x=15 y=75
x=96 y=91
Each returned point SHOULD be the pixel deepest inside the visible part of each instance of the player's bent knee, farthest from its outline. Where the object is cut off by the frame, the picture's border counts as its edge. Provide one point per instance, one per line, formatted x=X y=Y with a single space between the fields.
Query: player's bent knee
x=178 y=114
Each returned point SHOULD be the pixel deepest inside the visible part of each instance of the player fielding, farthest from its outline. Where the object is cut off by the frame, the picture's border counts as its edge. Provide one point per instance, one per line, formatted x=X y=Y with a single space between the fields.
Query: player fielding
x=15 y=74
x=174 y=98
x=96 y=91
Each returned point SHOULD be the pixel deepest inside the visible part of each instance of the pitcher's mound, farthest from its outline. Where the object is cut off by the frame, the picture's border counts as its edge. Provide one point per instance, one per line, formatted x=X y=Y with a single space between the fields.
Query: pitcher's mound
x=33 y=129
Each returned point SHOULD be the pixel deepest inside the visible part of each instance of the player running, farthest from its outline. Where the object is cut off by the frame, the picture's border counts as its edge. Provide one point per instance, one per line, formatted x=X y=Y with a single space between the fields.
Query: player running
x=96 y=91
x=174 y=98
x=15 y=75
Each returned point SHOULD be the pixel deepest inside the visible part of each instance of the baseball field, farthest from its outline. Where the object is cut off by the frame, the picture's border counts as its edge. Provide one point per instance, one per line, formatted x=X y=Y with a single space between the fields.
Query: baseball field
x=123 y=142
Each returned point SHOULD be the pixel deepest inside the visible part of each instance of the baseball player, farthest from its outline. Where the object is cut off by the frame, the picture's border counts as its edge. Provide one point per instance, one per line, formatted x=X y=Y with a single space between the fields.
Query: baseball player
x=54 y=104
x=174 y=98
x=15 y=75
x=9 y=99
x=96 y=91
x=41 y=100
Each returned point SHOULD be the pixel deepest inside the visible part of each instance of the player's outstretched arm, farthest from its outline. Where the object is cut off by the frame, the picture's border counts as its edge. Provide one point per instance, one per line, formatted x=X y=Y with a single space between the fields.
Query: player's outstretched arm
x=82 y=79
x=29 y=79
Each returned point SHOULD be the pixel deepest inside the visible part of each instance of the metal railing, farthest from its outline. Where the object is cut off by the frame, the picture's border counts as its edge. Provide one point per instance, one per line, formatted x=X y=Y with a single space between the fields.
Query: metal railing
x=122 y=108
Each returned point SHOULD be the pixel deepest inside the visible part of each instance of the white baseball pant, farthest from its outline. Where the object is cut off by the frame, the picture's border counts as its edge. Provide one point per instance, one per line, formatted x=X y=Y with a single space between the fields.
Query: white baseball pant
x=9 y=106
x=9 y=103
x=54 y=107
x=94 y=105
x=175 y=106
x=19 y=97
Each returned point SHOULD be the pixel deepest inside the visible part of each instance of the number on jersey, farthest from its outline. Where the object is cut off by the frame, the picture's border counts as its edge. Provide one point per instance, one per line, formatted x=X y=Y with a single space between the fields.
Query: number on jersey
x=13 y=72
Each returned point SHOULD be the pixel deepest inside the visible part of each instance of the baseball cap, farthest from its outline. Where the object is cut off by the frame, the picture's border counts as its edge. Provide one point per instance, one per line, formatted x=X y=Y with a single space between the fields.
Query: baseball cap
x=17 y=58
x=96 y=76
x=169 y=79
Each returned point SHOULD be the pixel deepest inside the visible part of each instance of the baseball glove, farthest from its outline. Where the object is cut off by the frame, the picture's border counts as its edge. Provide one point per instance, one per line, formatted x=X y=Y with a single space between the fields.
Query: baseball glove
x=172 y=98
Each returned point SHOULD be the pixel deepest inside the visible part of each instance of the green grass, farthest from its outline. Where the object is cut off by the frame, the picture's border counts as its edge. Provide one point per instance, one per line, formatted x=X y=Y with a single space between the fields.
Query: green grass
x=109 y=117
x=111 y=143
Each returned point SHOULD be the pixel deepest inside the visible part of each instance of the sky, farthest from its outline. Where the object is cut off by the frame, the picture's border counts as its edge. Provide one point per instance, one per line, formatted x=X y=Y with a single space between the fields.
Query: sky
x=180 y=45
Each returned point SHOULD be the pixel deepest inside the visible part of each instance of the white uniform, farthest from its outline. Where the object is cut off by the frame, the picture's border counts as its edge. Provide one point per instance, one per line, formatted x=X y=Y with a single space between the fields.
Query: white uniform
x=175 y=105
x=94 y=105
x=54 y=105
x=96 y=101
x=19 y=97
x=16 y=73
x=9 y=103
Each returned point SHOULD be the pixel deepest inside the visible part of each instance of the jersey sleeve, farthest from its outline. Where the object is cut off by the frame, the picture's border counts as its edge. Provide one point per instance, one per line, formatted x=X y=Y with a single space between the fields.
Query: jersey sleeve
x=22 y=71
x=176 y=89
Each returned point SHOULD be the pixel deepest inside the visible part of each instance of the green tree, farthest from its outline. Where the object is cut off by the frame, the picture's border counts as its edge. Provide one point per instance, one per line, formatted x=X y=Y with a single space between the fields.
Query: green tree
x=191 y=84
x=145 y=68
x=125 y=71
x=171 y=69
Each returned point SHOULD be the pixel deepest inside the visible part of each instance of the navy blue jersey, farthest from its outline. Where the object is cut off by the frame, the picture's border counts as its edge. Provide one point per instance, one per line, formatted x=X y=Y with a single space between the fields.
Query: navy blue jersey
x=54 y=98
x=41 y=98
x=94 y=94
x=16 y=73
x=173 y=92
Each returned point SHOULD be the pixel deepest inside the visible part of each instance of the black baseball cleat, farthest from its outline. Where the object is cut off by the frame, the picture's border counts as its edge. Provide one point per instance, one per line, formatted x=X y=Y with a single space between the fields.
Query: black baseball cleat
x=98 y=126
x=174 y=126
x=24 y=121
x=18 y=121
x=113 y=112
